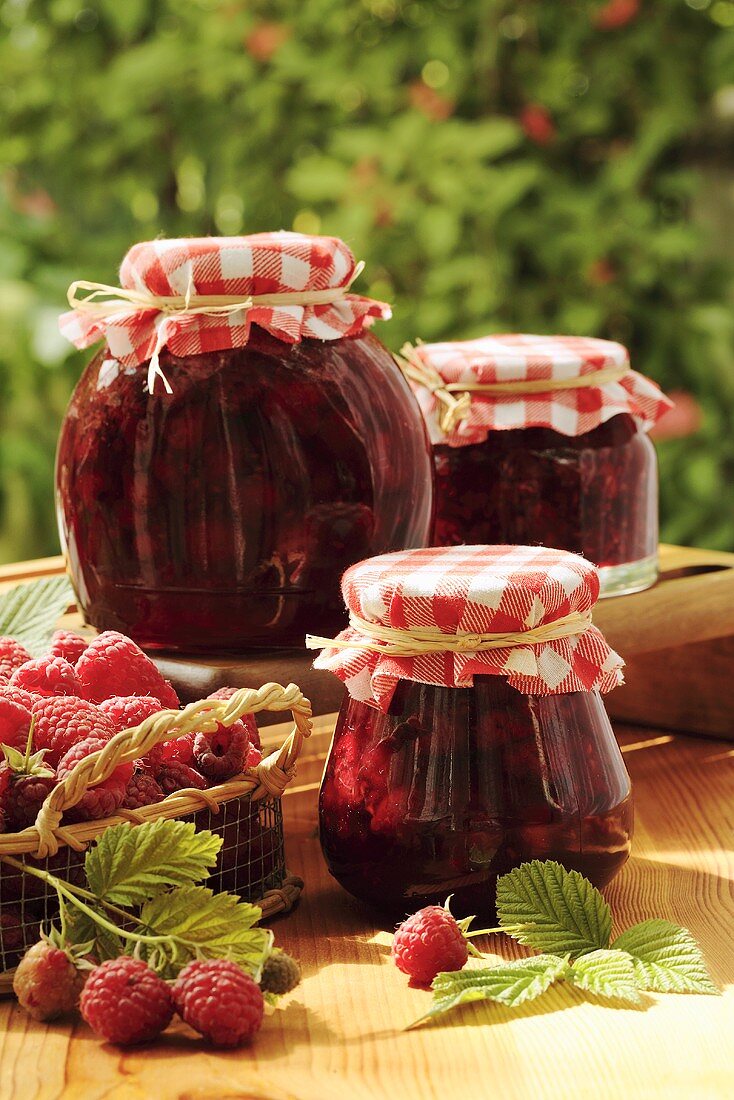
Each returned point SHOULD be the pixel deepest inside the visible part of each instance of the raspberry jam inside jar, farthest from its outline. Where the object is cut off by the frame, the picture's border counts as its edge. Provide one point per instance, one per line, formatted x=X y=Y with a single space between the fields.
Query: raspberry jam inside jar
x=450 y=767
x=519 y=461
x=221 y=514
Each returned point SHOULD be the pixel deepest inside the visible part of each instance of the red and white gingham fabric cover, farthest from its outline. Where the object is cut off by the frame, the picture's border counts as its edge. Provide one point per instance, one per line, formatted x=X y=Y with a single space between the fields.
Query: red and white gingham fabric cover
x=518 y=357
x=477 y=589
x=264 y=263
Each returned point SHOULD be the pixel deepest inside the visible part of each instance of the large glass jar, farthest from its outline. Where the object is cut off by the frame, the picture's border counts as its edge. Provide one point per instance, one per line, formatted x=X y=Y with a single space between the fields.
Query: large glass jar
x=222 y=514
x=453 y=787
x=519 y=461
x=473 y=737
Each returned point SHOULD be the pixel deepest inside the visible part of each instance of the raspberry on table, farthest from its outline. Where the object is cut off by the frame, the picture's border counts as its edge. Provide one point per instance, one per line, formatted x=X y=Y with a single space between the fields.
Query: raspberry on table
x=47 y=676
x=46 y=982
x=62 y=722
x=126 y=1002
x=142 y=790
x=15 y=721
x=281 y=973
x=428 y=942
x=113 y=664
x=219 y=1000
x=105 y=798
x=248 y=720
x=174 y=776
x=23 y=799
x=126 y=711
x=12 y=656
x=68 y=644
x=222 y=754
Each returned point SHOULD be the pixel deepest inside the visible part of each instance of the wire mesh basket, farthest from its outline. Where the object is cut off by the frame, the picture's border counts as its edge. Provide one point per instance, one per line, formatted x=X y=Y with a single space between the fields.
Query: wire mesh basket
x=245 y=811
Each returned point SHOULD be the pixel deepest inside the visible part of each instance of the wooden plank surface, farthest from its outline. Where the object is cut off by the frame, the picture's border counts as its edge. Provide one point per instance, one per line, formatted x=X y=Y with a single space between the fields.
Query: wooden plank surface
x=340 y=1034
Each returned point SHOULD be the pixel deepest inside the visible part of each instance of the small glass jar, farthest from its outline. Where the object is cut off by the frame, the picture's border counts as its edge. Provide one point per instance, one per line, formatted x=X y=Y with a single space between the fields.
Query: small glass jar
x=437 y=788
x=572 y=468
x=221 y=515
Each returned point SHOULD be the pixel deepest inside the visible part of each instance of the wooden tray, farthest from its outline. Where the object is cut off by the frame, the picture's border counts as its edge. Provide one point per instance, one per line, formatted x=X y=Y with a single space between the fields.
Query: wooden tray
x=677 y=639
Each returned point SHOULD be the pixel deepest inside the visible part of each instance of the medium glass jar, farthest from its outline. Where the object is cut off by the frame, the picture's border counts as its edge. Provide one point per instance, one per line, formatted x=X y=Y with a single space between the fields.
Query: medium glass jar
x=437 y=788
x=571 y=467
x=222 y=514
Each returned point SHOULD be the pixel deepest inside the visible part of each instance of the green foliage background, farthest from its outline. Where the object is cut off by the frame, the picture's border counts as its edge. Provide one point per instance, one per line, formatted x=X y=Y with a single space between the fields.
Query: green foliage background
x=536 y=166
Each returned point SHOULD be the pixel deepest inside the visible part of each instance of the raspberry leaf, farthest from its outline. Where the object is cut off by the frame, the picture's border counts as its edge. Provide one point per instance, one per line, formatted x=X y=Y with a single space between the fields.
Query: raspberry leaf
x=607 y=973
x=666 y=958
x=510 y=984
x=30 y=612
x=543 y=905
x=203 y=924
x=131 y=863
x=80 y=929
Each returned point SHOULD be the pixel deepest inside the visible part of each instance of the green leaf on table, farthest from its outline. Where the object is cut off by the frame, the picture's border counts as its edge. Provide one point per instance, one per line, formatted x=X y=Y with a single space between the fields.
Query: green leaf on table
x=30 y=612
x=131 y=863
x=206 y=925
x=543 y=905
x=510 y=984
x=666 y=958
x=606 y=973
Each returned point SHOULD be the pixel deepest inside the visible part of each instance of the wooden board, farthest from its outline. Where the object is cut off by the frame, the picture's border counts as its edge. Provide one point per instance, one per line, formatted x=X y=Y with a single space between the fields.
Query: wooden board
x=341 y=1033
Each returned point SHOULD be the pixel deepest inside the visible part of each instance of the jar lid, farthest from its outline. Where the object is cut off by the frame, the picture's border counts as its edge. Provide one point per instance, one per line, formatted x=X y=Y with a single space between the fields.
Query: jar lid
x=196 y=295
x=444 y=615
x=572 y=384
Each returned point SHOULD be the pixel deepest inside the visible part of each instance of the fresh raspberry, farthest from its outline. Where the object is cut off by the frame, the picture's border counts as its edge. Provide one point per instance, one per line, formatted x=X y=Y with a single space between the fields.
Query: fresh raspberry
x=253 y=733
x=102 y=800
x=20 y=696
x=47 y=676
x=281 y=973
x=219 y=1000
x=222 y=754
x=67 y=644
x=126 y=1002
x=62 y=722
x=142 y=790
x=15 y=721
x=178 y=749
x=126 y=711
x=46 y=983
x=174 y=776
x=114 y=665
x=428 y=942
x=23 y=799
x=11 y=929
x=12 y=656
x=254 y=756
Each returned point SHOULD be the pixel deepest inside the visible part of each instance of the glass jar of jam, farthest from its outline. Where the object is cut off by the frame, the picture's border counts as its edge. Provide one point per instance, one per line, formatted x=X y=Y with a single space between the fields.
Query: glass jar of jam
x=220 y=513
x=544 y=440
x=473 y=736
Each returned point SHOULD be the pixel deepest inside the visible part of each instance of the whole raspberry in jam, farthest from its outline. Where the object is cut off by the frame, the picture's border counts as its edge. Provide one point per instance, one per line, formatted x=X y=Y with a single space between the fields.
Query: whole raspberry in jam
x=114 y=665
x=105 y=798
x=126 y=711
x=126 y=1002
x=64 y=721
x=219 y=1000
x=46 y=676
x=142 y=790
x=174 y=776
x=15 y=721
x=46 y=982
x=428 y=942
x=67 y=644
x=222 y=754
x=12 y=656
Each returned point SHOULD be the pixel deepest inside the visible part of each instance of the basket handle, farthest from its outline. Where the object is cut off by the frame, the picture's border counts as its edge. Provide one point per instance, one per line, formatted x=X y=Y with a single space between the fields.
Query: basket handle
x=273 y=773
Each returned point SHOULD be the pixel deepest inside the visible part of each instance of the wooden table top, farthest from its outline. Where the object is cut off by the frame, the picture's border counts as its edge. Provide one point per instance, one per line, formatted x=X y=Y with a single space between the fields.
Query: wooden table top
x=341 y=1032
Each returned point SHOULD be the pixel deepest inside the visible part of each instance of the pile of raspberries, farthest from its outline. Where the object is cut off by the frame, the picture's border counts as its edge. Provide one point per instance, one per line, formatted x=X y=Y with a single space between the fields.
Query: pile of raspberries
x=79 y=696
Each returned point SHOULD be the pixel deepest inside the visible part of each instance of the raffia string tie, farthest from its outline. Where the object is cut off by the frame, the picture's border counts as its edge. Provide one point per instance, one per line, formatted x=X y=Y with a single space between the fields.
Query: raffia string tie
x=414 y=642
x=456 y=408
x=103 y=301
